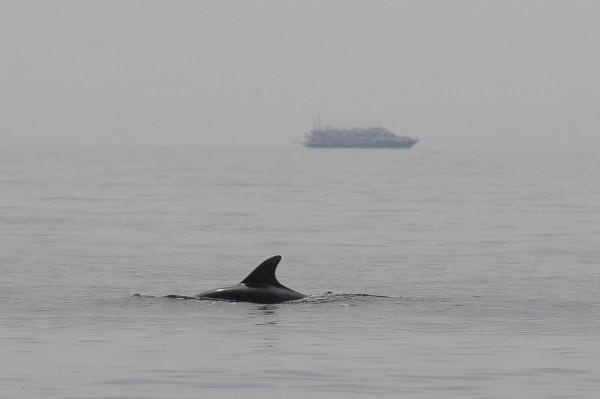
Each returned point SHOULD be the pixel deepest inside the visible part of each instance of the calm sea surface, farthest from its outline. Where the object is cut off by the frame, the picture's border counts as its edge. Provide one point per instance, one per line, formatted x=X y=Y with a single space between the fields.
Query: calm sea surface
x=489 y=261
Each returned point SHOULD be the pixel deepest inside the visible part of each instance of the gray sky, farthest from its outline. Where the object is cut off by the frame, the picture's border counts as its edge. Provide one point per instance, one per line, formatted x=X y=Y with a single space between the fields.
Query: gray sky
x=457 y=74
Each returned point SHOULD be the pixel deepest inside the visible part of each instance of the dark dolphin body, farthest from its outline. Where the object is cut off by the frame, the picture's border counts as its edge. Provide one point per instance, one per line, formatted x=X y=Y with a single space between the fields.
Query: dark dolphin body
x=261 y=286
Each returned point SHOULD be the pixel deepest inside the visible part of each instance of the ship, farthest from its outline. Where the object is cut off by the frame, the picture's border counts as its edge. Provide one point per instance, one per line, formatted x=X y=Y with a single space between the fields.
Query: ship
x=371 y=137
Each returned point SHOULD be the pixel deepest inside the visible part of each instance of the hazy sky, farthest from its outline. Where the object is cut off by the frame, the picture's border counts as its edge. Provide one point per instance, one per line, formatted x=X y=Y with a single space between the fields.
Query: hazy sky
x=457 y=74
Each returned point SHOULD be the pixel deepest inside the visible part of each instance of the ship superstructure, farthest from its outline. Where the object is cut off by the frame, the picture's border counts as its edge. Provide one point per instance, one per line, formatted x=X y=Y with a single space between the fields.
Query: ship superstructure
x=371 y=137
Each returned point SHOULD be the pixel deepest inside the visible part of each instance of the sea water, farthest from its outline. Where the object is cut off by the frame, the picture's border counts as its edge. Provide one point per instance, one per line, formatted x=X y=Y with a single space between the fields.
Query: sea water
x=429 y=274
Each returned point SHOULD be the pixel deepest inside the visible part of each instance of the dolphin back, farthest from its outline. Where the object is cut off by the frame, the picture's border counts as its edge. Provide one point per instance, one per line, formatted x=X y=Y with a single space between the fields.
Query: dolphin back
x=260 y=286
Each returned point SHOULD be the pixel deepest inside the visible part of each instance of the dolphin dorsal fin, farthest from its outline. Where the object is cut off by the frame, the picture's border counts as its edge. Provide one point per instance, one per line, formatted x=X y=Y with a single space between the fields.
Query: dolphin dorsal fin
x=264 y=274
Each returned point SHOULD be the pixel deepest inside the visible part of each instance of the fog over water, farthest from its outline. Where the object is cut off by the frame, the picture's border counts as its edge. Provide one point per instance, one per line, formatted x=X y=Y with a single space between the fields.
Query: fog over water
x=457 y=74
x=149 y=148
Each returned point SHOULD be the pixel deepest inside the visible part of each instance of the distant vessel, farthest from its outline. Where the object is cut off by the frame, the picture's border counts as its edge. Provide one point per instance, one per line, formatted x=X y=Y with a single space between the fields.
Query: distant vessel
x=371 y=137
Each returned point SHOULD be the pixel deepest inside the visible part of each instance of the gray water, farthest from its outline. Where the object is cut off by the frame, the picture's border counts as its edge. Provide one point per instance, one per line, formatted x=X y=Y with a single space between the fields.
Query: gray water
x=489 y=261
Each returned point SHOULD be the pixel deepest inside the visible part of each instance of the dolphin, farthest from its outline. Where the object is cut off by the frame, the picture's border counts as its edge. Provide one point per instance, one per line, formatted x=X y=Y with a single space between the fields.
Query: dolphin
x=261 y=286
